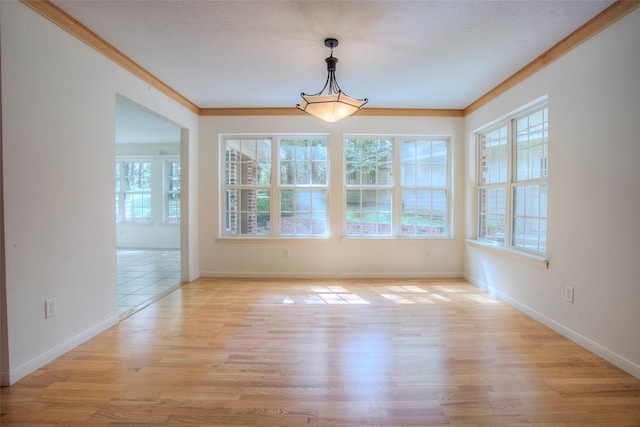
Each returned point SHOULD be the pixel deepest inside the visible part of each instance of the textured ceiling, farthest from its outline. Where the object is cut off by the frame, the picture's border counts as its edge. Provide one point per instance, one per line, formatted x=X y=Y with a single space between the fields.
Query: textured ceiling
x=399 y=54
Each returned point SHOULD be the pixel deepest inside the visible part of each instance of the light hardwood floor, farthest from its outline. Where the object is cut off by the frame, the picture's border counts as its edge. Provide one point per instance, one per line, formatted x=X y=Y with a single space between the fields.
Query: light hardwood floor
x=327 y=353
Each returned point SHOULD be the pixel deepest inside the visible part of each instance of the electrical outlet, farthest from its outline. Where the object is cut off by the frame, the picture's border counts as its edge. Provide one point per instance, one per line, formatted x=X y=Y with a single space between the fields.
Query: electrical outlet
x=50 y=308
x=285 y=253
x=568 y=294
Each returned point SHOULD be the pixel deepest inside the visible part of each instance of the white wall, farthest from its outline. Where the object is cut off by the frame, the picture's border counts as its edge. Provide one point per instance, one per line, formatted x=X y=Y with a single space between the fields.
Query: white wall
x=58 y=149
x=58 y=101
x=594 y=198
x=337 y=256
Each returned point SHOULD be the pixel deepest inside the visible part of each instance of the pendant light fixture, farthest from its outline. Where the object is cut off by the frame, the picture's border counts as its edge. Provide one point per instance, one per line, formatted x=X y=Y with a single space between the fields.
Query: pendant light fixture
x=335 y=104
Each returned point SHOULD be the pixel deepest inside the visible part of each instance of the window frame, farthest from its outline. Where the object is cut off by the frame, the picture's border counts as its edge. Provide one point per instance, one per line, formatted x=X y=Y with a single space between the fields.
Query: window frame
x=275 y=186
x=396 y=187
x=511 y=182
x=123 y=191
x=166 y=192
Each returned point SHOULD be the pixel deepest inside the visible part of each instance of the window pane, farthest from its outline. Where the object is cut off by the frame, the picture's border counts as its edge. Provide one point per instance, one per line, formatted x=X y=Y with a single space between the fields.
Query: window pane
x=439 y=175
x=137 y=176
x=287 y=172
x=424 y=213
x=137 y=206
x=531 y=146
x=117 y=176
x=301 y=185
x=319 y=151
x=173 y=176
x=248 y=162
x=529 y=218
x=422 y=166
x=303 y=161
x=493 y=155
x=369 y=212
x=247 y=212
x=135 y=186
x=172 y=179
x=303 y=212
x=303 y=173
x=407 y=175
x=368 y=162
x=173 y=208
x=319 y=172
x=423 y=163
x=492 y=214
x=384 y=175
x=513 y=168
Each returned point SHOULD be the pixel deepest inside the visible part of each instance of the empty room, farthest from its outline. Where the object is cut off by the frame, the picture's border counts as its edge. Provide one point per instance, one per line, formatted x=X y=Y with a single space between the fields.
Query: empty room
x=323 y=213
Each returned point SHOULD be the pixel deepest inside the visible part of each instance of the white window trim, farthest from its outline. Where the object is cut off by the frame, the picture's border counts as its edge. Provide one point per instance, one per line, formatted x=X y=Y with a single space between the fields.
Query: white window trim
x=165 y=190
x=396 y=224
x=508 y=120
x=134 y=159
x=273 y=187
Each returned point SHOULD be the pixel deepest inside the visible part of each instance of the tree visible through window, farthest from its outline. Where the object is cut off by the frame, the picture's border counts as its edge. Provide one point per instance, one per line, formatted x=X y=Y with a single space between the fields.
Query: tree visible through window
x=275 y=186
x=172 y=201
x=133 y=191
x=303 y=182
x=369 y=181
x=397 y=187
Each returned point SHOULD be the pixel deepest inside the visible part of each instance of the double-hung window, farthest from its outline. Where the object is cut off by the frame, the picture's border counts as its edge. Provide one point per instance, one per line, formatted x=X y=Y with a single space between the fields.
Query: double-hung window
x=275 y=186
x=512 y=181
x=172 y=192
x=133 y=191
x=397 y=187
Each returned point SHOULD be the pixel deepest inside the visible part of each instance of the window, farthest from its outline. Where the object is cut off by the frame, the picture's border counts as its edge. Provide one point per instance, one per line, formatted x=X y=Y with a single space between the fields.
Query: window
x=275 y=186
x=172 y=192
x=513 y=168
x=133 y=191
x=397 y=187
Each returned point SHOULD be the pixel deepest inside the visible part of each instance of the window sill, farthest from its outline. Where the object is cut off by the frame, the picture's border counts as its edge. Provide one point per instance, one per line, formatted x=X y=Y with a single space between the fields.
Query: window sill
x=536 y=259
x=270 y=239
x=398 y=238
x=134 y=222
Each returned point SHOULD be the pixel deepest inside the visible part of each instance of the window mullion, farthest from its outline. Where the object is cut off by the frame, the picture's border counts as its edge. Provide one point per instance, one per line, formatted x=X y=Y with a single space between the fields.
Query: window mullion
x=396 y=190
x=121 y=192
x=510 y=184
x=449 y=188
x=275 y=187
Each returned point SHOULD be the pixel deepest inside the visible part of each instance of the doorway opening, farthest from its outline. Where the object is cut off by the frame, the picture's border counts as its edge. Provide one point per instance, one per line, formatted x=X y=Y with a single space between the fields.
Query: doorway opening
x=147 y=204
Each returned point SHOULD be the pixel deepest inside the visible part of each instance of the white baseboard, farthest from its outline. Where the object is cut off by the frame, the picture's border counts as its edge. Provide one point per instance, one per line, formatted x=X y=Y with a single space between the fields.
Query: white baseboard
x=20 y=372
x=324 y=275
x=608 y=355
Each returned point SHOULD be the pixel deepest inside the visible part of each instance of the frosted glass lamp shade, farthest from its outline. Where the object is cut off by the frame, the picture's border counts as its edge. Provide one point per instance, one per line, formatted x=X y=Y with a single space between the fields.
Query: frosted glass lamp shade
x=330 y=108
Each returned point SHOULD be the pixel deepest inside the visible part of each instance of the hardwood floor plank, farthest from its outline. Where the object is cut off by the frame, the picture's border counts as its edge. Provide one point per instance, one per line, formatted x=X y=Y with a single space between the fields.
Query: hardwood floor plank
x=240 y=352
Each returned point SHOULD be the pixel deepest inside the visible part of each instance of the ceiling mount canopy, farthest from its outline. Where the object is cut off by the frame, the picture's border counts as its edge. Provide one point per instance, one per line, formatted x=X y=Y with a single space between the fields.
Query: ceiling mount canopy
x=335 y=104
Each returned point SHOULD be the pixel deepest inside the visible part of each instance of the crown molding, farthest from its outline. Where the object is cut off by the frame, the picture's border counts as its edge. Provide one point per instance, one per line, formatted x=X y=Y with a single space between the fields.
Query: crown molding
x=391 y=112
x=592 y=27
x=607 y=17
x=74 y=27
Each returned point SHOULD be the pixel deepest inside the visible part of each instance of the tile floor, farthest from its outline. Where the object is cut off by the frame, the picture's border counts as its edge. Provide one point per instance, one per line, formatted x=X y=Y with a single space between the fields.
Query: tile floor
x=144 y=276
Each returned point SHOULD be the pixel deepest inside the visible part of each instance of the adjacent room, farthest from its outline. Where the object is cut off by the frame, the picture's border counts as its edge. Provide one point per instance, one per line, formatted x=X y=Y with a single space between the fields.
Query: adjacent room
x=147 y=181
x=445 y=234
